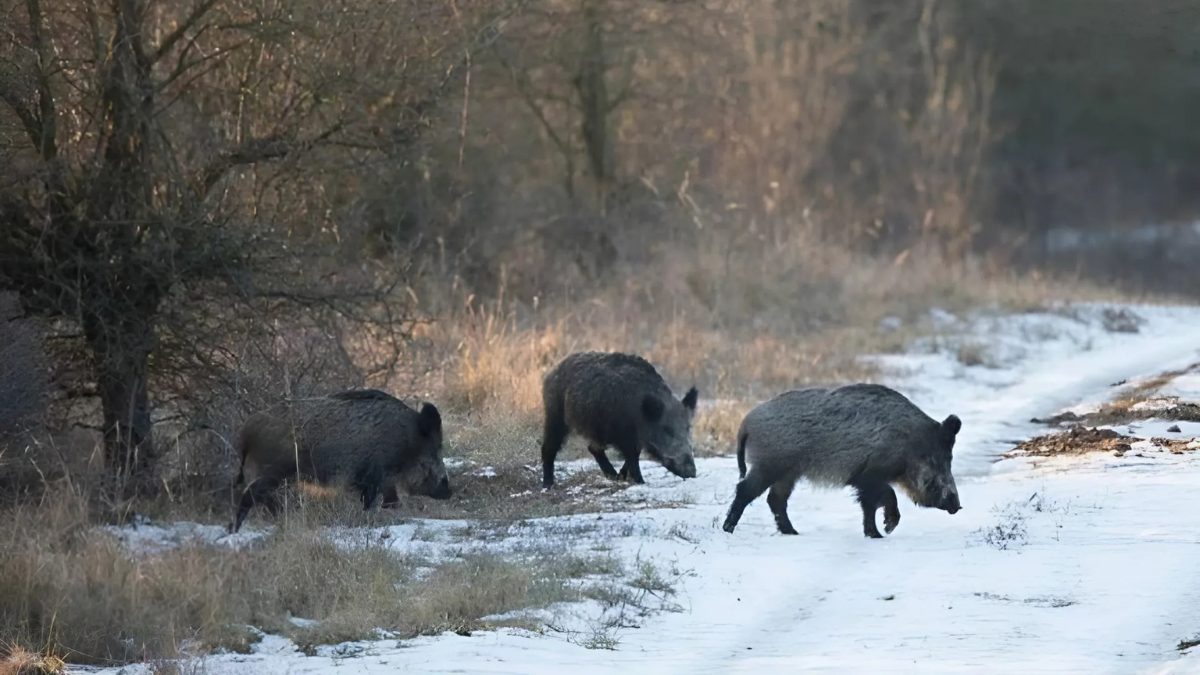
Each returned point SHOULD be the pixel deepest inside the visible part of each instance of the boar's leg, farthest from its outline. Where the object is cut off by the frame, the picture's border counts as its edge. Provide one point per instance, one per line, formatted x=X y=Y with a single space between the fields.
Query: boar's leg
x=391 y=498
x=270 y=500
x=369 y=483
x=777 y=499
x=632 y=469
x=552 y=441
x=748 y=489
x=891 y=510
x=260 y=490
x=870 y=497
x=602 y=459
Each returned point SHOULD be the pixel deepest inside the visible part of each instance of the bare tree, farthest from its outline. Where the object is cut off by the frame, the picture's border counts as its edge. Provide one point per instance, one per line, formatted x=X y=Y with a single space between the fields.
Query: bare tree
x=166 y=156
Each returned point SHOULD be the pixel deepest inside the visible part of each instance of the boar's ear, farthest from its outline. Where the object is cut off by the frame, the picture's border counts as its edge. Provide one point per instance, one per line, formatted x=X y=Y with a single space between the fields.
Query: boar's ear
x=652 y=408
x=689 y=399
x=429 y=421
x=952 y=424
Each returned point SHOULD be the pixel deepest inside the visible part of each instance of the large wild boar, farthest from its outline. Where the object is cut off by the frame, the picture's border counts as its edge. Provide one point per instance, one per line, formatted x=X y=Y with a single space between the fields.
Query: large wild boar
x=364 y=438
x=864 y=436
x=617 y=400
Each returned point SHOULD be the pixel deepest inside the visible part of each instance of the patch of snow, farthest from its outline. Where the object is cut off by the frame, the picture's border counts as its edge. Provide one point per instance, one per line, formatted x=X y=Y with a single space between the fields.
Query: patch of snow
x=1156 y=428
x=1185 y=388
x=486 y=472
x=145 y=538
x=1151 y=404
x=941 y=318
x=274 y=646
x=890 y=323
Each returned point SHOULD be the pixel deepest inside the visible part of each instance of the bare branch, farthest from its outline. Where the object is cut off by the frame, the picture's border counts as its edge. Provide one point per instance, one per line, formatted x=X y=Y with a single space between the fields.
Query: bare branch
x=255 y=151
x=176 y=35
x=44 y=140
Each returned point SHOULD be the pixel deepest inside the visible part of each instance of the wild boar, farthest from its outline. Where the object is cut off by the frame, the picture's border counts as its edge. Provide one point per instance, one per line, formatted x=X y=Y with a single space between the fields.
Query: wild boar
x=864 y=436
x=365 y=438
x=618 y=400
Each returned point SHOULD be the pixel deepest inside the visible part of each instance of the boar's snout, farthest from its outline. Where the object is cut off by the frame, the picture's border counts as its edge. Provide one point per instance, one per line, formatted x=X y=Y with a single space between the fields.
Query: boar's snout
x=442 y=490
x=683 y=470
x=688 y=469
x=949 y=502
x=684 y=467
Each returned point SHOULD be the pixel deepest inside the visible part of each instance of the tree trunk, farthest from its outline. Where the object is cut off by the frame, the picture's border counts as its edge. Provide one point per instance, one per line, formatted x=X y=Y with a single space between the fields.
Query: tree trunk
x=128 y=449
x=121 y=348
x=594 y=99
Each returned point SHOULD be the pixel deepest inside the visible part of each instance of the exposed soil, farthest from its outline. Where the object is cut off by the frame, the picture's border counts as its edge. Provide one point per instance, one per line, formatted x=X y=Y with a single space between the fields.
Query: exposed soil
x=1138 y=403
x=1080 y=440
x=1121 y=412
x=1077 y=441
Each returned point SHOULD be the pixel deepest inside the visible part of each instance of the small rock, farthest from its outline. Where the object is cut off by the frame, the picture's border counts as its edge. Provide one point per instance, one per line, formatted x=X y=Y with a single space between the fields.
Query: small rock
x=1174 y=429
x=1119 y=453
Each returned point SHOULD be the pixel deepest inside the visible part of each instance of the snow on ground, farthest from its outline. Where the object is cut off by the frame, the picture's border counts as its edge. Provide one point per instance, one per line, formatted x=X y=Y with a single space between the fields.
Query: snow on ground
x=144 y=537
x=1186 y=387
x=1082 y=564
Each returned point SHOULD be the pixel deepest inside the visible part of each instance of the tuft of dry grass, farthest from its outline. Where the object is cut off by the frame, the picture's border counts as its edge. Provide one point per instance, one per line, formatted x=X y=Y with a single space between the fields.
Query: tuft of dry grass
x=20 y=661
x=971 y=353
x=714 y=432
x=497 y=361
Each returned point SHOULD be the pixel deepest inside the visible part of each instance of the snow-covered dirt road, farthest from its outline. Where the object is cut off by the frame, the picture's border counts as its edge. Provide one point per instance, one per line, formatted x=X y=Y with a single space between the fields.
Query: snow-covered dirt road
x=1087 y=564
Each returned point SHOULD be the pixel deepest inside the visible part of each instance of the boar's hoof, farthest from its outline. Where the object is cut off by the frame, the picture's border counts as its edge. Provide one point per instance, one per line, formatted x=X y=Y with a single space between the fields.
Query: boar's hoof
x=890 y=521
x=729 y=526
x=627 y=475
x=787 y=529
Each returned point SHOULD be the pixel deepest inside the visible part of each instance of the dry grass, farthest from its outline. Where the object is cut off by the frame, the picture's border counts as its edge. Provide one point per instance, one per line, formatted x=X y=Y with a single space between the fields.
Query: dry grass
x=715 y=429
x=741 y=323
x=19 y=661
x=66 y=584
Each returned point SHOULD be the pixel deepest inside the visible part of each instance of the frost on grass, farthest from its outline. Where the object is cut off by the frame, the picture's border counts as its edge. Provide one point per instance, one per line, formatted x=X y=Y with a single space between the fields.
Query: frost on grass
x=1049 y=602
x=648 y=589
x=1011 y=531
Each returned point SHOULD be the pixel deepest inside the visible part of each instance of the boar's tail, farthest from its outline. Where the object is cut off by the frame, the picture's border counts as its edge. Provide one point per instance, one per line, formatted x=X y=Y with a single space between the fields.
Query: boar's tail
x=741 y=453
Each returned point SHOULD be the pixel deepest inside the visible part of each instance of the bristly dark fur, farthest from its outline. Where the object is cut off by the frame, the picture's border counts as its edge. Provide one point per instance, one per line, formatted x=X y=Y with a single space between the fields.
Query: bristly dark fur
x=363 y=395
x=617 y=400
x=363 y=437
x=864 y=436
